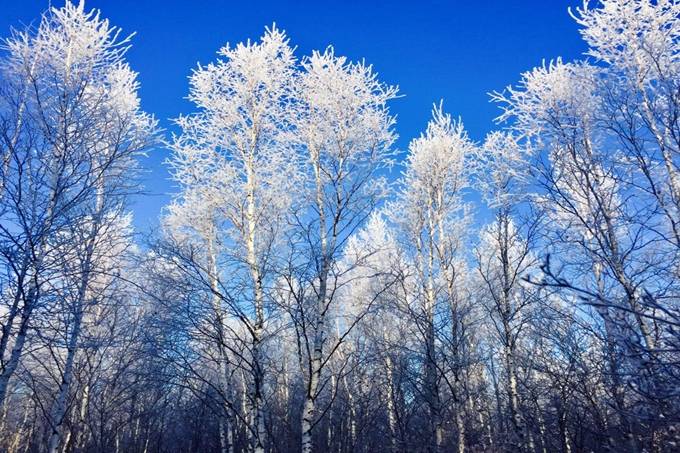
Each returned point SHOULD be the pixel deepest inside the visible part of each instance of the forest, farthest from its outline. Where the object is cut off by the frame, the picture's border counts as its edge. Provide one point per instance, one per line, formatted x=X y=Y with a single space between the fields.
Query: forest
x=312 y=288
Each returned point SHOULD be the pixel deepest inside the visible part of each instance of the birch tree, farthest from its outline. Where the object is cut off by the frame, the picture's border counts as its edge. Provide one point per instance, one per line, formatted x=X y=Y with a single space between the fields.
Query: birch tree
x=346 y=130
x=602 y=223
x=236 y=155
x=636 y=42
x=504 y=258
x=75 y=127
x=432 y=219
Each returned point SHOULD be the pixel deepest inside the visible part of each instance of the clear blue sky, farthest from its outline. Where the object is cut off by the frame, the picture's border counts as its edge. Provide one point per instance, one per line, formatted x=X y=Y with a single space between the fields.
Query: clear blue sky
x=455 y=50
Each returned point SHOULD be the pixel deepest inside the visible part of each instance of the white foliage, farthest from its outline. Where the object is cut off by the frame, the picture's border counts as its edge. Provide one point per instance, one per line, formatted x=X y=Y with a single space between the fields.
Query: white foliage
x=556 y=101
x=344 y=115
x=557 y=107
x=346 y=127
x=75 y=60
x=370 y=262
x=436 y=177
x=502 y=170
x=640 y=37
x=237 y=149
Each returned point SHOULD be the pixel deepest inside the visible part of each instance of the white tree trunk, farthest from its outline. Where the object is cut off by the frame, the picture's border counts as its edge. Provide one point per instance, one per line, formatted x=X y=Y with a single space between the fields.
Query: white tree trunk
x=224 y=378
x=13 y=362
x=391 y=409
x=311 y=394
x=319 y=323
x=60 y=406
x=258 y=428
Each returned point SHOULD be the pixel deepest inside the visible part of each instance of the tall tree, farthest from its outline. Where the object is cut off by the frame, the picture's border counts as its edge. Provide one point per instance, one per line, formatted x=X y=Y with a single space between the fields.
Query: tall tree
x=433 y=221
x=236 y=156
x=74 y=123
x=346 y=130
x=504 y=258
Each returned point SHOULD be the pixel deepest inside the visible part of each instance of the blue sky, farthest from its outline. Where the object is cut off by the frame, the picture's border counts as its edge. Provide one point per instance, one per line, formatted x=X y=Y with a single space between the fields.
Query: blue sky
x=457 y=50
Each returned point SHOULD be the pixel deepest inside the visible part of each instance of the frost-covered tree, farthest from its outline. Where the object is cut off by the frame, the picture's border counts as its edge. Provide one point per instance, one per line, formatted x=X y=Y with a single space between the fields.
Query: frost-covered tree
x=236 y=163
x=71 y=126
x=516 y=295
x=432 y=220
x=345 y=128
x=636 y=43
x=367 y=299
x=504 y=259
x=606 y=180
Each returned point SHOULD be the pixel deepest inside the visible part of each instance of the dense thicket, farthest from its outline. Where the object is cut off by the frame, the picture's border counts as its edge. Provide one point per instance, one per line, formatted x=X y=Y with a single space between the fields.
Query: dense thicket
x=308 y=292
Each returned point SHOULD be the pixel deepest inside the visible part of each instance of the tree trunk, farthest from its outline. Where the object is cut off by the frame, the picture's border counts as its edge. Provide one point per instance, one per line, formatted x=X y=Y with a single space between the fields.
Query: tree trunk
x=319 y=321
x=224 y=416
x=258 y=429
x=460 y=427
x=13 y=363
x=391 y=409
x=60 y=406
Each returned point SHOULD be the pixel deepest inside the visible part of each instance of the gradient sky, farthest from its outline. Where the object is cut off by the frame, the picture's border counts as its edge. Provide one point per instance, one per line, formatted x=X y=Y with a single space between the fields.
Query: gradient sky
x=457 y=50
